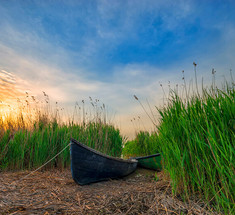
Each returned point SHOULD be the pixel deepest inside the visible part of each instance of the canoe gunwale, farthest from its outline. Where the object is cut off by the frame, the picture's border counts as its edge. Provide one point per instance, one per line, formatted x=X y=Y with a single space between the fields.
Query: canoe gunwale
x=73 y=141
x=145 y=157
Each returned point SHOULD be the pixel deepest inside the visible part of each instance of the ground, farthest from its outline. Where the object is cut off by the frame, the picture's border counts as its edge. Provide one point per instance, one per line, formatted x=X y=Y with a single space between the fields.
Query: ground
x=55 y=192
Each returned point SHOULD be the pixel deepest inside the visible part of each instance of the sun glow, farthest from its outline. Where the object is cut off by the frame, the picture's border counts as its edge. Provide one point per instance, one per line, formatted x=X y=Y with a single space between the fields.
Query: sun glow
x=10 y=96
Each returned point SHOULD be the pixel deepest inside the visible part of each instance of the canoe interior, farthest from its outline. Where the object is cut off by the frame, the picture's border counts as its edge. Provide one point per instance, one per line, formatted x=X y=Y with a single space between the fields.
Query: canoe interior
x=89 y=165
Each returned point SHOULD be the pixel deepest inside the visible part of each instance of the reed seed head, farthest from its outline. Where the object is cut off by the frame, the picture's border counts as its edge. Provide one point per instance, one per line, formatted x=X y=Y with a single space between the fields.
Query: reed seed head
x=213 y=71
x=136 y=97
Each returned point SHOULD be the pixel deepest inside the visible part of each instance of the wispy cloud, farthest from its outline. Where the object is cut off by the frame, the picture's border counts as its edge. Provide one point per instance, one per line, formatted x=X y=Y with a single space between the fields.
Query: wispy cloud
x=7 y=77
x=9 y=91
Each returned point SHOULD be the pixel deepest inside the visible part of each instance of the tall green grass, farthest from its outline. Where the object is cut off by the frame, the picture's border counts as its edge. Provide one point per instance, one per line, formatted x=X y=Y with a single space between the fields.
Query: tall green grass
x=28 y=143
x=196 y=137
x=145 y=143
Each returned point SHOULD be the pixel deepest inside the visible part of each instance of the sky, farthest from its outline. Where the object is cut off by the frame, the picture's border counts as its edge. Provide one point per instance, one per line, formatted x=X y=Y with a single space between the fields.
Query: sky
x=112 y=50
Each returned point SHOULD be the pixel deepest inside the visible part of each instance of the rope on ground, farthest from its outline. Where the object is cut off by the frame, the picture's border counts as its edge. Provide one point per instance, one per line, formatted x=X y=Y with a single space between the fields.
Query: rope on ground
x=42 y=165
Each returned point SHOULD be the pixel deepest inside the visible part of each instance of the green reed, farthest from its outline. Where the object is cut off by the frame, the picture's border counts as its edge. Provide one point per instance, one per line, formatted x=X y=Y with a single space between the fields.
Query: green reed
x=196 y=137
x=145 y=143
x=27 y=144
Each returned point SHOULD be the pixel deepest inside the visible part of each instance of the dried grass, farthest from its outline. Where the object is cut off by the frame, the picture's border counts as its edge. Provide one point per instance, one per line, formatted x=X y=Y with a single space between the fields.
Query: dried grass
x=55 y=192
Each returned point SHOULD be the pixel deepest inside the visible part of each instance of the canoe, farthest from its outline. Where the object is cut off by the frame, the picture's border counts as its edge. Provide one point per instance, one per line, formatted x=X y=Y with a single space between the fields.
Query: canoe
x=89 y=166
x=150 y=162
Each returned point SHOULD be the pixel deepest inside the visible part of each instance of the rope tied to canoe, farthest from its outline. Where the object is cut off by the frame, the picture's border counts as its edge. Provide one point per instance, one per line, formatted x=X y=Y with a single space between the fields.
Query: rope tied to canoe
x=42 y=165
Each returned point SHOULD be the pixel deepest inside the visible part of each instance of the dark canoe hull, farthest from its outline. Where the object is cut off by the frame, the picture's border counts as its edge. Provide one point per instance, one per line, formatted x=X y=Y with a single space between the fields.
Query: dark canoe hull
x=89 y=166
x=150 y=162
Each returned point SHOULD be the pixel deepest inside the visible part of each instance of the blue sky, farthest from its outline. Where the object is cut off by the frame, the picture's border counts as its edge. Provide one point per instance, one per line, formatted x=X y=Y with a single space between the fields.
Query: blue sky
x=111 y=50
